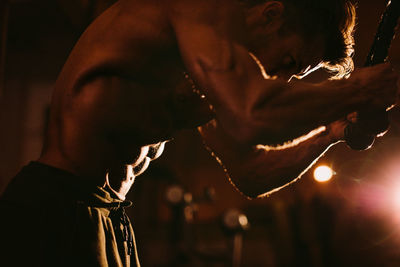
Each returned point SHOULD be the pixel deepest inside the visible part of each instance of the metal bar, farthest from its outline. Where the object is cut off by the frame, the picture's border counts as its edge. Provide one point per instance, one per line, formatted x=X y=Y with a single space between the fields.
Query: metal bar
x=385 y=34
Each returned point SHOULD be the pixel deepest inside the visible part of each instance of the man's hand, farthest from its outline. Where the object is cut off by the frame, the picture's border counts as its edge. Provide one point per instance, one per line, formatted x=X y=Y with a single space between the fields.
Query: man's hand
x=335 y=130
x=372 y=118
x=379 y=84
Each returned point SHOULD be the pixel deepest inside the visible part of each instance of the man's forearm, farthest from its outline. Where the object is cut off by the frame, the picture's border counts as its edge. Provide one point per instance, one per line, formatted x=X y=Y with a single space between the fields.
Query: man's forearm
x=274 y=169
x=299 y=108
x=273 y=112
x=257 y=172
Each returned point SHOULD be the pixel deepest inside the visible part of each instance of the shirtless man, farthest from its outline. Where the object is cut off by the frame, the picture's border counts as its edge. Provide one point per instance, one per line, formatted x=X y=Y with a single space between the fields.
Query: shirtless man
x=145 y=69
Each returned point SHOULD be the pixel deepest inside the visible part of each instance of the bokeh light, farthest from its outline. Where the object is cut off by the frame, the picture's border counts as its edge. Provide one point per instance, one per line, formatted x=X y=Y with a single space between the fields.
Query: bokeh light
x=323 y=173
x=396 y=197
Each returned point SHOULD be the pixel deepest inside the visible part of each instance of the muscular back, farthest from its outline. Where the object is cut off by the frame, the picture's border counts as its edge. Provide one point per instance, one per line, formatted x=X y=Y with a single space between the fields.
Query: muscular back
x=121 y=89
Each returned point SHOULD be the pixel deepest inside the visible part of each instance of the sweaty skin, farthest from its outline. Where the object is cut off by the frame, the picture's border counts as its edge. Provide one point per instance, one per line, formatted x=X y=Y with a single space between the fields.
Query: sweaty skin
x=123 y=90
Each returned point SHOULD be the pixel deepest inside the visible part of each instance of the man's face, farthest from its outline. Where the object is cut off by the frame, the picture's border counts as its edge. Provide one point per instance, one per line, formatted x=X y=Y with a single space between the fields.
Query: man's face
x=285 y=55
x=283 y=52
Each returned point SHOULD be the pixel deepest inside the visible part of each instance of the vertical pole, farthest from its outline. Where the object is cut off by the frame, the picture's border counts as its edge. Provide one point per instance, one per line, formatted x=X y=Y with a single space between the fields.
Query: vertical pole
x=237 y=249
x=4 y=12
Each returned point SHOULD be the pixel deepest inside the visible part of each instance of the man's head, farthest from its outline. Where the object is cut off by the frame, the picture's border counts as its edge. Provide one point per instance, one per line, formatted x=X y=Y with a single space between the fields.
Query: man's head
x=290 y=35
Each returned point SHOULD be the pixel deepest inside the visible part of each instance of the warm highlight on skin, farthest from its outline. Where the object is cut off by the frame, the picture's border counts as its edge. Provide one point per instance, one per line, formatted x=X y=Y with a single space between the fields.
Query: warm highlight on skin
x=294 y=142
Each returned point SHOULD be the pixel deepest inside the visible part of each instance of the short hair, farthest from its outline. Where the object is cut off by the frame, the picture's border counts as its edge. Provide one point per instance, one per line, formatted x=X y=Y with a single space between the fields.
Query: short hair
x=334 y=20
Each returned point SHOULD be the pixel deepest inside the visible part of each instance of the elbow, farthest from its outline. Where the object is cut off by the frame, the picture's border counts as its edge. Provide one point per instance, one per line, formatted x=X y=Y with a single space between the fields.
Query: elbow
x=254 y=187
x=245 y=181
x=259 y=183
x=251 y=193
x=253 y=190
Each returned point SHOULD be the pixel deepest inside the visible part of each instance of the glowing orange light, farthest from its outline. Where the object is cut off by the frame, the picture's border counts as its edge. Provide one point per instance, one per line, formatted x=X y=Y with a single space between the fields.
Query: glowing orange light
x=323 y=173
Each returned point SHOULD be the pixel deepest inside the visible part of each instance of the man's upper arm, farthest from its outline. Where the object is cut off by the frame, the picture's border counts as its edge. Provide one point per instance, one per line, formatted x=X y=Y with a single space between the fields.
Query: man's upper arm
x=210 y=36
x=206 y=31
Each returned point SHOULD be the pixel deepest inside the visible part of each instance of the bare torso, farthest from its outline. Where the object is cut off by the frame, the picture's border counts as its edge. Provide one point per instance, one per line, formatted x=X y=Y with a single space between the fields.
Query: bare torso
x=121 y=91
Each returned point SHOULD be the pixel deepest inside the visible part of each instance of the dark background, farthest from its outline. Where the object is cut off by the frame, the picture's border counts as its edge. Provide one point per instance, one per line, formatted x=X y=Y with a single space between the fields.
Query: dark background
x=352 y=220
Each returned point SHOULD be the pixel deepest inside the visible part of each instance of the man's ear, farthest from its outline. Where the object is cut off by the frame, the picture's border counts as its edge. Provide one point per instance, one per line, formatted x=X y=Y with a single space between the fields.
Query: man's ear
x=273 y=15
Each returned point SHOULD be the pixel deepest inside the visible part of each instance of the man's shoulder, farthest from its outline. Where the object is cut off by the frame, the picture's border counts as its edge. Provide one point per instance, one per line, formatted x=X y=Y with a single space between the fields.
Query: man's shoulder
x=213 y=12
x=211 y=21
x=38 y=183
